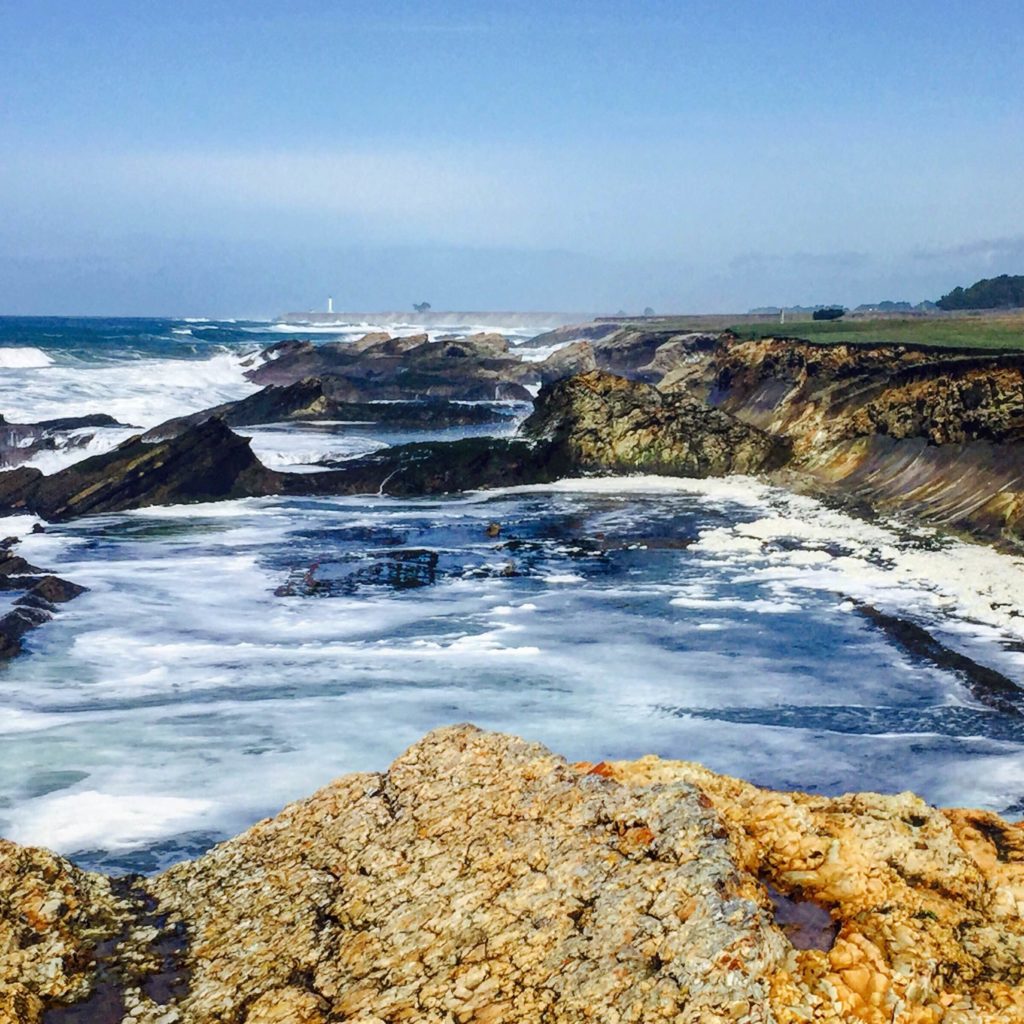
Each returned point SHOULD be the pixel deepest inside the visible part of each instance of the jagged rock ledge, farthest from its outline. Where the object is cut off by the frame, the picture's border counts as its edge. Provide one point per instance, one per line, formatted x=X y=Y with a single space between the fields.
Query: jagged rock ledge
x=482 y=878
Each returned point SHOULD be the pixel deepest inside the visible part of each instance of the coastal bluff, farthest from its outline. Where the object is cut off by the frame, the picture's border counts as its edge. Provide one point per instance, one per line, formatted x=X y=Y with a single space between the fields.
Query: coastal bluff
x=483 y=878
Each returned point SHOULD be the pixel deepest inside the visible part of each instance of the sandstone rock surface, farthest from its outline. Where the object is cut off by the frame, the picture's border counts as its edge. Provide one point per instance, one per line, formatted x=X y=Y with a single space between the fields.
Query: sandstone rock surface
x=482 y=878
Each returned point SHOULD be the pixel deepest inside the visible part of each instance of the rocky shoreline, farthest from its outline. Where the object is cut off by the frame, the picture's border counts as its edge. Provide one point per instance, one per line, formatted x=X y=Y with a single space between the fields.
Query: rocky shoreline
x=933 y=433
x=483 y=878
x=936 y=433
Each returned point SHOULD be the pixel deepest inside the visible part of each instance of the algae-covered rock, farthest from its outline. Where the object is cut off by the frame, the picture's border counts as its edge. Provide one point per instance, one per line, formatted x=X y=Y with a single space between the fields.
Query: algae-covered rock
x=601 y=421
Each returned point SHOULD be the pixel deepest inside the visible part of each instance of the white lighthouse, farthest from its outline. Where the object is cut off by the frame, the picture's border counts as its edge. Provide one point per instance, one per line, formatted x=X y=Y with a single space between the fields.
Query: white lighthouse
x=330 y=304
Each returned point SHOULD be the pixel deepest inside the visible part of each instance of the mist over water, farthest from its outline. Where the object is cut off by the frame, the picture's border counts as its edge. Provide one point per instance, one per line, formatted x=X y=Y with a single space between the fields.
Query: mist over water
x=234 y=656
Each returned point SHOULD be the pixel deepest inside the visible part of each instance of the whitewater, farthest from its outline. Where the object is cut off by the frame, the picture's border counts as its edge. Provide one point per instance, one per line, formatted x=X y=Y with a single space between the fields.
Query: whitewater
x=199 y=685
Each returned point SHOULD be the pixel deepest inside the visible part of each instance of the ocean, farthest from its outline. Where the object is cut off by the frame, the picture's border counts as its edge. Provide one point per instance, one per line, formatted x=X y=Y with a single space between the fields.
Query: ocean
x=231 y=657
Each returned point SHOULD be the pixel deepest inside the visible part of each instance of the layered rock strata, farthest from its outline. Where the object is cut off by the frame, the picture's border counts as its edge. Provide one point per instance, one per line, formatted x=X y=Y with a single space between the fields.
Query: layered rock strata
x=482 y=878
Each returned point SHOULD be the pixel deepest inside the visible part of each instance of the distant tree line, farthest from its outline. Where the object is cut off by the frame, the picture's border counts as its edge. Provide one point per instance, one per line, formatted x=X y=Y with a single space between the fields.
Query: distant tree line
x=1005 y=291
x=828 y=313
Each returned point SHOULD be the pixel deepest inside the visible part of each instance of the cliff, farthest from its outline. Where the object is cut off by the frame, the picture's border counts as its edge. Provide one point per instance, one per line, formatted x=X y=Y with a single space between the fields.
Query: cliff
x=482 y=878
x=937 y=433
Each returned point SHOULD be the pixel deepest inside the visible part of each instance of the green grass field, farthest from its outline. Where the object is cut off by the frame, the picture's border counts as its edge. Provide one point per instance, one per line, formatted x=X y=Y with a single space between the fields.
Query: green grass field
x=983 y=331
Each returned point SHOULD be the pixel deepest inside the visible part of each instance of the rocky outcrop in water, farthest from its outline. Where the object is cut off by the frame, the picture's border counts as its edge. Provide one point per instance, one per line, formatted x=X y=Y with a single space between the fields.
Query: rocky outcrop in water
x=313 y=399
x=20 y=442
x=209 y=462
x=206 y=463
x=482 y=878
x=477 y=368
x=38 y=595
x=608 y=423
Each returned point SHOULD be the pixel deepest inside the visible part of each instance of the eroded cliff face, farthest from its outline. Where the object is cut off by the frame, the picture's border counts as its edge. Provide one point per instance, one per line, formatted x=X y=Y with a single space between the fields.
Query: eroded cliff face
x=934 y=432
x=482 y=878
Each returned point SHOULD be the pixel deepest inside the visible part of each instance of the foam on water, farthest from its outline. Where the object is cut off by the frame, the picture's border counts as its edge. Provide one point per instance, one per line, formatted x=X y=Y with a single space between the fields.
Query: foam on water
x=181 y=675
x=231 y=657
x=23 y=358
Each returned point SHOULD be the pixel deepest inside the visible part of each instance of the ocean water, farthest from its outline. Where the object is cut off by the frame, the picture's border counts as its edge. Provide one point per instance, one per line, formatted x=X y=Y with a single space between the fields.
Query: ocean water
x=231 y=657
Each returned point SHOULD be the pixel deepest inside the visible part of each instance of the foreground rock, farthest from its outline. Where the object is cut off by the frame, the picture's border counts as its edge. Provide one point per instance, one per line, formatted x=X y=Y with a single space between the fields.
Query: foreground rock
x=314 y=399
x=482 y=878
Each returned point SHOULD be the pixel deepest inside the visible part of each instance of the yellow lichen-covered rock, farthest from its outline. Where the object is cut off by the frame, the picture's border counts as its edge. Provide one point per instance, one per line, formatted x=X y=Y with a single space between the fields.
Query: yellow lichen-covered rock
x=930 y=903
x=51 y=918
x=484 y=879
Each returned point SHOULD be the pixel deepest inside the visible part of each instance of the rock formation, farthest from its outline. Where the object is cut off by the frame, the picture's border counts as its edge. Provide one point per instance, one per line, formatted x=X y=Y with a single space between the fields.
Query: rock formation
x=38 y=594
x=313 y=399
x=607 y=423
x=477 y=368
x=20 y=442
x=206 y=463
x=935 y=432
x=482 y=878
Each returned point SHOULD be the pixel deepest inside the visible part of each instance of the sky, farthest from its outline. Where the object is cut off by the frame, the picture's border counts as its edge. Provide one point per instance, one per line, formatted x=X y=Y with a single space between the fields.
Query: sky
x=248 y=157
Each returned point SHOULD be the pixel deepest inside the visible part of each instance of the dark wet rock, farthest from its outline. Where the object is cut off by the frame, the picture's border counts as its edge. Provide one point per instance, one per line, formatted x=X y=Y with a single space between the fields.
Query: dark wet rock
x=31 y=600
x=57 y=590
x=36 y=606
x=436 y=467
x=15 y=565
x=600 y=421
x=205 y=463
x=403 y=569
x=327 y=398
x=987 y=685
x=20 y=442
x=16 y=623
x=477 y=368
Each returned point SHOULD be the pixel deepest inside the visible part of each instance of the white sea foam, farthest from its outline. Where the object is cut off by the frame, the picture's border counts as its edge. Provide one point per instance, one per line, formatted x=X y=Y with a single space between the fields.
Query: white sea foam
x=181 y=674
x=295 y=449
x=23 y=359
x=86 y=818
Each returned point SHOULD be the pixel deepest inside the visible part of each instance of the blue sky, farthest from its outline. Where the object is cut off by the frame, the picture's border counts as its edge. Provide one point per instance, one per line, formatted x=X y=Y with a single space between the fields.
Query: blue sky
x=243 y=158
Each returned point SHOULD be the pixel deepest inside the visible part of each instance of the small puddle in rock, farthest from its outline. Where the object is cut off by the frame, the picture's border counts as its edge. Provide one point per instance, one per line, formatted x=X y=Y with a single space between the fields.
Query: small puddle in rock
x=106 y=1004
x=806 y=924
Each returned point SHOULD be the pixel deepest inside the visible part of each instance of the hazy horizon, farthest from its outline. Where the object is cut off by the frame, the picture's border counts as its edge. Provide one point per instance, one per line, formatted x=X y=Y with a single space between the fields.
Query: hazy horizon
x=246 y=159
